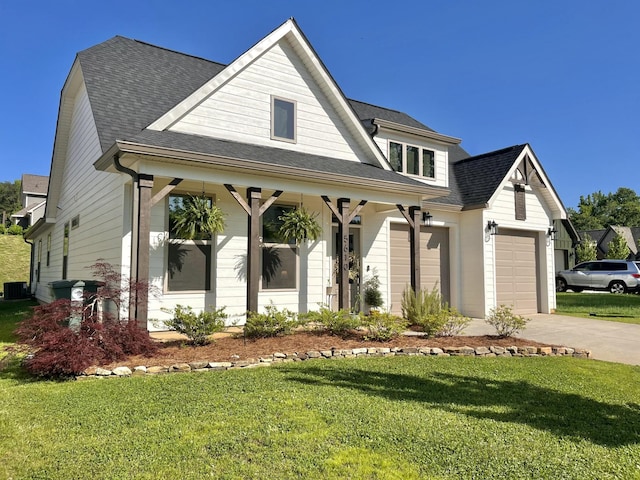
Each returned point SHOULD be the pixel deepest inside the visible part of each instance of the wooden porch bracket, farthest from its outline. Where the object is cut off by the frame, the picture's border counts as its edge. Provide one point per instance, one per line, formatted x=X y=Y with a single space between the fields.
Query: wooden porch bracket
x=344 y=219
x=165 y=191
x=254 y=211
x=413 y=219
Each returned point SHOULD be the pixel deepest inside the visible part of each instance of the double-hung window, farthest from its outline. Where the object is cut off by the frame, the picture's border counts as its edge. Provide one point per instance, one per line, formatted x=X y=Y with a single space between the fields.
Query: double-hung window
x=412 y=160
x=283 y=119
x=279 y=258
x=189 y=261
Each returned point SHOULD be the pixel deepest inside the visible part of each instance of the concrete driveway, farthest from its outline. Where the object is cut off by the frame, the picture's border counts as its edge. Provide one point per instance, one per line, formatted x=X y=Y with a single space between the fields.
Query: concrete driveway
x=610 y=341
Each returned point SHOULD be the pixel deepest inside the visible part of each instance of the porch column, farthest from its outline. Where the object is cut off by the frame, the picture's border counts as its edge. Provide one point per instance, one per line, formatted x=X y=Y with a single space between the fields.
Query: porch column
x=254 y=195
x=145 y=184
x=413 y=219
x=344 y=219
x=254 y=212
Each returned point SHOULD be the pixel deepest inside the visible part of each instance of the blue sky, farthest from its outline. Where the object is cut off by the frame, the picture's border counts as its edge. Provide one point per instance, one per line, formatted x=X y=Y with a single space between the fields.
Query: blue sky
x=563 y=76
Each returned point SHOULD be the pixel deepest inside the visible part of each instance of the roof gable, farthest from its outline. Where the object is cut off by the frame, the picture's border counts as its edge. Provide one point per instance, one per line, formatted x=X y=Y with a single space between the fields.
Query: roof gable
x=287 y=37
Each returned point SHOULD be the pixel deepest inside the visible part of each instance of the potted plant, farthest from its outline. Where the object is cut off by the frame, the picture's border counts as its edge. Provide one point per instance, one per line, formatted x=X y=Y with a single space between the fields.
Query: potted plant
x=300 y=225
x=198 y=218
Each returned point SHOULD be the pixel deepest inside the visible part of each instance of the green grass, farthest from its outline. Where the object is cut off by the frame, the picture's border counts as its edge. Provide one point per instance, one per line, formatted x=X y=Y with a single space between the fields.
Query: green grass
x=15 y=256
x=402 y=417
x=602 y=306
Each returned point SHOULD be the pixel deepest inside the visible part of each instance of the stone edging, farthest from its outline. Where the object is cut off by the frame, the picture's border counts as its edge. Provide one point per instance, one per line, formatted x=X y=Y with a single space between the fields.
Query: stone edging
x=203 y=366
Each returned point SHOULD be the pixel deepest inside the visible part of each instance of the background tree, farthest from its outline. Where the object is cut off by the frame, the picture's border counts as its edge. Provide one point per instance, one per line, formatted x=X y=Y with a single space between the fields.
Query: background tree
x=597 y=211
x=586 y=249
x=9 y=198
x=618 y=248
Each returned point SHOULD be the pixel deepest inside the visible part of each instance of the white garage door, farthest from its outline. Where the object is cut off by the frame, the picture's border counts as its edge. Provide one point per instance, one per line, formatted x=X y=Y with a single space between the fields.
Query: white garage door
x=434 y=261
x=517 y=270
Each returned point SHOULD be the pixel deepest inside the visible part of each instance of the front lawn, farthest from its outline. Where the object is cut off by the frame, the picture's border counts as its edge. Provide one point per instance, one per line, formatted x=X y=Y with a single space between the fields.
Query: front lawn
x=394 y=417
x=601 y=306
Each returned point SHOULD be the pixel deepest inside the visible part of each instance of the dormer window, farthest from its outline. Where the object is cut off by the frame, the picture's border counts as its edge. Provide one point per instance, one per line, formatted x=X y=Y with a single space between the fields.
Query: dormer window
x=283 y=119
x=412 y=160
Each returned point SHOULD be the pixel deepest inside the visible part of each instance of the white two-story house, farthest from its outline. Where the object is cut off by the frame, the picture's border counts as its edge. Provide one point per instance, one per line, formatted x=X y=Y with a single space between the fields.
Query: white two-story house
x=141 y=126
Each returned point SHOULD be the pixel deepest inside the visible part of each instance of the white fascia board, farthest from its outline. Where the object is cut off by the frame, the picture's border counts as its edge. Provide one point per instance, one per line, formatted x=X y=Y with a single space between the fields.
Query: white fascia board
x=290 y=30
x=386 y=125
x=555 y=204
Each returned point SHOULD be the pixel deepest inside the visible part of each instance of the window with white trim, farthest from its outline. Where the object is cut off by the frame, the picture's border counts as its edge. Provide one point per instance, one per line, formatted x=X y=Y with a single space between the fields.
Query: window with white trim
x=283 y=119
x=188 y=261
x=279 y=259
x=412 y=160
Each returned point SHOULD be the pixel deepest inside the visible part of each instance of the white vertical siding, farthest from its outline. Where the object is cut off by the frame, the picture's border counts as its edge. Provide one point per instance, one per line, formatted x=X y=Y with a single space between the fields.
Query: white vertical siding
x=96 y=197
x=240 y=110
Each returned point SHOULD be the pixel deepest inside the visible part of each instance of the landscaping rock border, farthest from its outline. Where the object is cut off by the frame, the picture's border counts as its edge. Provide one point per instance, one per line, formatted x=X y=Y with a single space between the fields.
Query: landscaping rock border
x=335 y=354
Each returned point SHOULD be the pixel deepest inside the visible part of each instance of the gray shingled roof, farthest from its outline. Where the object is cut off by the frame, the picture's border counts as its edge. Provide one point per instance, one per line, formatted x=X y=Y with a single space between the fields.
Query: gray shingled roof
x=367 y=112
x=272 y=156
x=35 y=183
x=478 y=177
x=130 y=84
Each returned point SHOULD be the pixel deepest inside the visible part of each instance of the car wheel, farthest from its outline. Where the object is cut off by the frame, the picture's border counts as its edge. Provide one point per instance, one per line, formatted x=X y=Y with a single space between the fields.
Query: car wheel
x=617 y=287
x=561 y=285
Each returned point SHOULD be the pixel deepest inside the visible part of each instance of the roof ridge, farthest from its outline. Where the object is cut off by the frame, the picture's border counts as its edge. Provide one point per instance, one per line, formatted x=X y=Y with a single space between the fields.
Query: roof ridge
x=142 y=42
x=493 y=153
x=377 y=106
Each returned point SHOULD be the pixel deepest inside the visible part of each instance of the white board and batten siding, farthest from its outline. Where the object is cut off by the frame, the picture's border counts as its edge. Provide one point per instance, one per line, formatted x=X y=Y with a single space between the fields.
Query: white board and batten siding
x=95 y=198
x=240 y=110
x=519 y=236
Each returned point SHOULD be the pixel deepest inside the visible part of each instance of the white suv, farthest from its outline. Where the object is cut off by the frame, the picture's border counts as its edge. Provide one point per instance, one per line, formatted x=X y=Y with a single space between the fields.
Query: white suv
x=616 y=276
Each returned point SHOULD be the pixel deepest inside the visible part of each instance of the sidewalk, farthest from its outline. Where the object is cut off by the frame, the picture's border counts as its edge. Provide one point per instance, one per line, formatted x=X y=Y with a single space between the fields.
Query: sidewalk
x=610 y=341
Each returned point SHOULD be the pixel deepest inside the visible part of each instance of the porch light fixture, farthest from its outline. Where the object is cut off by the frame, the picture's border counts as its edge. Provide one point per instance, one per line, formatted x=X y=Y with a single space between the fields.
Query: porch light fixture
x=492 y=227
x=426 y=219
x=551 y=233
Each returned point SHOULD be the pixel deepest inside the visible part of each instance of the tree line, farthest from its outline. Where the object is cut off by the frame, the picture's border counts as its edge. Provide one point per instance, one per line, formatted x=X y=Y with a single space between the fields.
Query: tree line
x=9 y=199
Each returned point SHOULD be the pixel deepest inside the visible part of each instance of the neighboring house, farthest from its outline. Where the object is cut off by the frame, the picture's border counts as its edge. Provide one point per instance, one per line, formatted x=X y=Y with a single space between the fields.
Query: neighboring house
x=33 y=196
x=566 y=238
x=140 y=126
x=605 y=236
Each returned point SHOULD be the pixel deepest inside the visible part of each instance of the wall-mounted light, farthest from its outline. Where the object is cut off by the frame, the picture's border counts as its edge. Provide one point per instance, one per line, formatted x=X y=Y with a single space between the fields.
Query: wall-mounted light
x=551 y=233
x=426 y=219
x=492 y=227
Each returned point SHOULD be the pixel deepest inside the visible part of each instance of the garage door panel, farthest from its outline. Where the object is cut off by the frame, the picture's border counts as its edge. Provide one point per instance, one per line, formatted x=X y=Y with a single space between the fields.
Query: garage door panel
x=434 y=261
x=516 y=270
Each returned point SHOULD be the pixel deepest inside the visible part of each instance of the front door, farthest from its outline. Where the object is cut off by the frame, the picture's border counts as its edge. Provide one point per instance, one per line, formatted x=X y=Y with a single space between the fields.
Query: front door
x=355 y=268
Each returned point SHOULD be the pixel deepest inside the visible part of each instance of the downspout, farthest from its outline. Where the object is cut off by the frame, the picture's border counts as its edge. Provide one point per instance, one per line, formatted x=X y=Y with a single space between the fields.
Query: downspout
x=30 y=263
x=135 y=212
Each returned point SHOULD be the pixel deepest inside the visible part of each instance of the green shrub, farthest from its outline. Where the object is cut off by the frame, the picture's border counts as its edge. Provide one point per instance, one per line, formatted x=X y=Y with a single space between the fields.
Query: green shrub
x=372 y=293
x=3 y=229
x=15 y=230
x=196 y=326
x=383 y=326
x=505 y=321
x=455 y=323
x=272 y=323
x=424 y=309
x=339 y=323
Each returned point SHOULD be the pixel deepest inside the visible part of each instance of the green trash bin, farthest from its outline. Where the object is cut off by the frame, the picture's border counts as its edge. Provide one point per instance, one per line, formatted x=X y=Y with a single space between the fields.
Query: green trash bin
x=62 y=288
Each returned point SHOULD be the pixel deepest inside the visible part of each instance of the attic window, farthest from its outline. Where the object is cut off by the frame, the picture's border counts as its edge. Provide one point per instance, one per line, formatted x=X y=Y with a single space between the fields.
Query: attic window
x=283 y=119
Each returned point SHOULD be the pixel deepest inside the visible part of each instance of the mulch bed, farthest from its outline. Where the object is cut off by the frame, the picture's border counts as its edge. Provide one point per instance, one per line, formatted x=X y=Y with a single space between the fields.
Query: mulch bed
x=230 y=348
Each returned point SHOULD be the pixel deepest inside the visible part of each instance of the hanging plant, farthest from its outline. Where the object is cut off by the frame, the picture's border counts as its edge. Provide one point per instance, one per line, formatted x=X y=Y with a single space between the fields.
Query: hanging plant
x=299 y=225
x=198 y=218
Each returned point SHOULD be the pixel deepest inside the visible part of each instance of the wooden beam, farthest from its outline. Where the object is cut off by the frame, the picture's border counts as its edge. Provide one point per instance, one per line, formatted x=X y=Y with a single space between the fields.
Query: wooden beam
x=270 y=201
x=254 y=195
x=165 y=191
x=145 y=184
x=238 y=197
x=414 y=250
x=343 y=255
